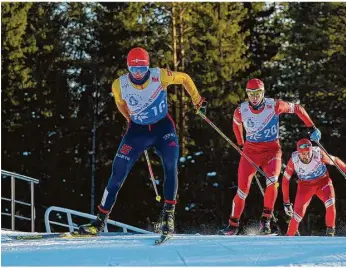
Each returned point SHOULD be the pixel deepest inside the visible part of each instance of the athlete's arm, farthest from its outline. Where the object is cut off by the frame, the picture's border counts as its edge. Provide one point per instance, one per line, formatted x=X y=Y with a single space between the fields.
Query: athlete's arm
x=282 y=107
x=179 y=78
x=119 y=101
x=286 y=181
x=238 y=127
x=337 y=161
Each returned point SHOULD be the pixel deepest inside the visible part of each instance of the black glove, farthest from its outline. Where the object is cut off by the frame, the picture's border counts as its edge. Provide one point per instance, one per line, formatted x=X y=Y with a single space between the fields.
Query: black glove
x=288 y=209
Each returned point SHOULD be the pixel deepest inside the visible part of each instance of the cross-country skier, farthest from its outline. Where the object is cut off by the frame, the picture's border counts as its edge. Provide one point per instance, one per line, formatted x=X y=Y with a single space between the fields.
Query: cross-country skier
x=309 y=162
x=141 y=96
x=260 y=118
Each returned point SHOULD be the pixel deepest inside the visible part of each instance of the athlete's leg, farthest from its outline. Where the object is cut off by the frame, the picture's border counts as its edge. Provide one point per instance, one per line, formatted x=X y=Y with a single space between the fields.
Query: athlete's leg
x=326 y=194
x=134 y=142
x=305 y=191
x=167 y=147
x=271 y=167
x=245 y=174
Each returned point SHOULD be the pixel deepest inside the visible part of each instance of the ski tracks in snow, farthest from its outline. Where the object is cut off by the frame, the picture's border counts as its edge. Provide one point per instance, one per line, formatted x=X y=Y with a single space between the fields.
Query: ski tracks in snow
x=181 y=250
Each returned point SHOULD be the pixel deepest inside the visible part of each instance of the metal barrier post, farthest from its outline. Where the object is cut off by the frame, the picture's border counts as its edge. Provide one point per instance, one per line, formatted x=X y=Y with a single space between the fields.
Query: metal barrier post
x=70 y=222
x=13 y=204
x=32 y=207
x=13 y=201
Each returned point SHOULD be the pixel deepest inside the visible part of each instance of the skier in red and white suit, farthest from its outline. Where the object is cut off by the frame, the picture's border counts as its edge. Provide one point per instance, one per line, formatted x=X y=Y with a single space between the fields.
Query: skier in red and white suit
x=310 y=165
x=260 y=118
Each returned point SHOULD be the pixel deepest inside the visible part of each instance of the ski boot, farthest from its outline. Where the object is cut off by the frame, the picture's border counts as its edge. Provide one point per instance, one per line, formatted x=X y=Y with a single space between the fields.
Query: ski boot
x=330 y=231
x=265 y=226
x=94 y=227
x=275 y=229
x=167 y=223
x=167 y=226
x=231 y=229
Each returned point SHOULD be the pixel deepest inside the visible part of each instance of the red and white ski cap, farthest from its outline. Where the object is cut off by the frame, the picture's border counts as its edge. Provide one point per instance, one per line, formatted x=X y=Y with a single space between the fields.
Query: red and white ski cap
x=138 y=57
x=254 y=84
x=304 y=145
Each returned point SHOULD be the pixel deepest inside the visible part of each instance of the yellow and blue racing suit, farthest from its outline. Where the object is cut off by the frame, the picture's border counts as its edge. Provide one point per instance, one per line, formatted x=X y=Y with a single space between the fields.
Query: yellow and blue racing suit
x=149 y=126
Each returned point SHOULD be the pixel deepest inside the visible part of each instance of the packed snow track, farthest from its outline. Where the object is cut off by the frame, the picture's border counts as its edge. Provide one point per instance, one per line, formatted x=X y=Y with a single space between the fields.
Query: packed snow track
x=182 y=250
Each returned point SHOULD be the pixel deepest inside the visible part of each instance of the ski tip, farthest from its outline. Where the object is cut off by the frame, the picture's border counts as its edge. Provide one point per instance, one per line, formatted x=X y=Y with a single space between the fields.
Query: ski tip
x=78 y=235
x=50 y=236
x=33 y=236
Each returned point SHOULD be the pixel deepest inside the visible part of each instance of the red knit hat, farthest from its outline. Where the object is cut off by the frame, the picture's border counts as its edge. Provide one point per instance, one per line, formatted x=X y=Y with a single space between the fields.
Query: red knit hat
x=138 y=57
x=254 y=84
x=304 y=145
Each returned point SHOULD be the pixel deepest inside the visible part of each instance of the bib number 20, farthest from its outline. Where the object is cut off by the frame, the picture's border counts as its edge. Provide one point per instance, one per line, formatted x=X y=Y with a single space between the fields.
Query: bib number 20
x=271 y=131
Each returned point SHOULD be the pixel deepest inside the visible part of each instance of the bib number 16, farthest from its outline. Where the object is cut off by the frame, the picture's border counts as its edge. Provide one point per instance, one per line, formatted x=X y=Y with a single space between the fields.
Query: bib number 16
x=159 y=108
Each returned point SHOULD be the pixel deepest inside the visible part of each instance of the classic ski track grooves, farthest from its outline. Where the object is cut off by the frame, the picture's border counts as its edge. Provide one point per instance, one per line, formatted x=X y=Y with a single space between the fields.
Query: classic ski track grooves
x=181 y=250
x=182 y=258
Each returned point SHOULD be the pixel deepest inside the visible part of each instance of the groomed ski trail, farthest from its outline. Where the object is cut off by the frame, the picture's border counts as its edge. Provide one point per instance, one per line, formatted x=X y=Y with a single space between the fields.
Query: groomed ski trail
x=181 y=250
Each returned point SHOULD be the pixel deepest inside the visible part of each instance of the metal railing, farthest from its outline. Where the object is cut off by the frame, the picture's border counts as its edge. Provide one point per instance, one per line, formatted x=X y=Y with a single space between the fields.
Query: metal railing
x=13 y=200
x=70 y=224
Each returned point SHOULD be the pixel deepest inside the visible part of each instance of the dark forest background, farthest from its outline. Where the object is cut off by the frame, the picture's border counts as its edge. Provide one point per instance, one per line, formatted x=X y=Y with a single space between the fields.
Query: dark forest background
x=58 y=61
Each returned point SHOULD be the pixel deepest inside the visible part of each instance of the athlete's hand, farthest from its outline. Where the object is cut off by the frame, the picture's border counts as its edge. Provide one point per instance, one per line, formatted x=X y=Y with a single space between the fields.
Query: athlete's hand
x=201 y=106
x=316 y=135
x=288 y=209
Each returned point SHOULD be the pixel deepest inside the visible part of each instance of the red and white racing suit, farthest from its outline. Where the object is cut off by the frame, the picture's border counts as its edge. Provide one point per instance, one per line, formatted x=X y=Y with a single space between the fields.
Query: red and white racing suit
x=313 y=180
x=262 y=147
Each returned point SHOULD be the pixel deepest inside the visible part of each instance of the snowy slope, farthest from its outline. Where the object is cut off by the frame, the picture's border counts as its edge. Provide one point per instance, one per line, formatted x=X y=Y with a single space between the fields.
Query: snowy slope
x=182 y=250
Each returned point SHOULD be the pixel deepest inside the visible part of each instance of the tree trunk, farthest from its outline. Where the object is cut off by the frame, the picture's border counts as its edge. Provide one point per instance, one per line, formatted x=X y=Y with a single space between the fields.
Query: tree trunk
x=175 y=65
x=182 y=93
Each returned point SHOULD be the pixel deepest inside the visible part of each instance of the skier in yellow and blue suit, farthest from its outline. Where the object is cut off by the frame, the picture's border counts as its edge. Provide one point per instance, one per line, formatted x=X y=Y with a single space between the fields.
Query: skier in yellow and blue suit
x=141 y=96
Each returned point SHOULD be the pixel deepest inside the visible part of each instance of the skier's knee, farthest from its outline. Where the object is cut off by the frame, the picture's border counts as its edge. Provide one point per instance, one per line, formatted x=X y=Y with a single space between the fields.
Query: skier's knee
x=171 y=166
x=329 y=202
x=272 y=181
x=114 y=186
x=241 y=194
x=297 y=216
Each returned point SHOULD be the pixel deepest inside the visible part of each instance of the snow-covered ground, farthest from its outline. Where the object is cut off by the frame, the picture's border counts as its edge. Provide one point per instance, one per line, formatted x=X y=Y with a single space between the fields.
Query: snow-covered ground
x=182 y=250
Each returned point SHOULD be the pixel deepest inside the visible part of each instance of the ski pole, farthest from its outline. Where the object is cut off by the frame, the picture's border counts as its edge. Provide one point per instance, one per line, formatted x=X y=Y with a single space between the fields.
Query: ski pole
x=158 y=198
x=324 y=150
x=233 y=145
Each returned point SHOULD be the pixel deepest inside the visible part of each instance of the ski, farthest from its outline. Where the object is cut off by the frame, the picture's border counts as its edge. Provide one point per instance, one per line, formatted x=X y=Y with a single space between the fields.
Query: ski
x=273 y=234
x=49 y=236
x=162 y=239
